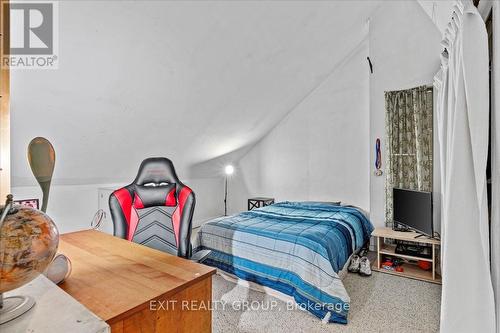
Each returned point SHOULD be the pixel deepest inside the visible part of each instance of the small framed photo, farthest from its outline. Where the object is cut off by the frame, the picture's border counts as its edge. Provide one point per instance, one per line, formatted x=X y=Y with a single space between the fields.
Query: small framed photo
x=33 y=203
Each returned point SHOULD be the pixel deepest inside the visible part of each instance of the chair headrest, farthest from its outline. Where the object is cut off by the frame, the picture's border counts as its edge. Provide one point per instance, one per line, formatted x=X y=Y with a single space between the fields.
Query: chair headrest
x=156 y=170
x=151 y=196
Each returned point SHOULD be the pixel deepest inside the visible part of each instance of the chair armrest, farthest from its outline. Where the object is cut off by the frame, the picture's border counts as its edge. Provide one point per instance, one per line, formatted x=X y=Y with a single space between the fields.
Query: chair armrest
x=200 y=255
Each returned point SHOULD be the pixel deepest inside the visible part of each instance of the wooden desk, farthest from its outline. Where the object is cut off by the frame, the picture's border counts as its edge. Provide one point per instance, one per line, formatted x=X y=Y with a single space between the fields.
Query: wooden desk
x=135 y=288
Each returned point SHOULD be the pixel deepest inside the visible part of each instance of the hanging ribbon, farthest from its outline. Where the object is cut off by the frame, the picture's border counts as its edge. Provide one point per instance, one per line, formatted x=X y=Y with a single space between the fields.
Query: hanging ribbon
x=378 y=158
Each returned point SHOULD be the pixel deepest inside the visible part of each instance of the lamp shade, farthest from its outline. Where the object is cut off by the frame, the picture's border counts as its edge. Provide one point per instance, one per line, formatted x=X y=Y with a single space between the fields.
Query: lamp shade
x=229 y=169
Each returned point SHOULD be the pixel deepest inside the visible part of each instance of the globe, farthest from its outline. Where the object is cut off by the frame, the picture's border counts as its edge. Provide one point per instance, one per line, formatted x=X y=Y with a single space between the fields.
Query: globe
x=28 y=243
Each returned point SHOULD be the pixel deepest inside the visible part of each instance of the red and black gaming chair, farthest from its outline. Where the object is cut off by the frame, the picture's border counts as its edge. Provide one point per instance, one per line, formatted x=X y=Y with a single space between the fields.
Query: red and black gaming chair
x=156 y=210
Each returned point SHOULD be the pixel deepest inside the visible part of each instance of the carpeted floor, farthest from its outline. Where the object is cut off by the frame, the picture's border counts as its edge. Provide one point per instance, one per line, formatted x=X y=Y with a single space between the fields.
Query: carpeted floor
x=380 y=303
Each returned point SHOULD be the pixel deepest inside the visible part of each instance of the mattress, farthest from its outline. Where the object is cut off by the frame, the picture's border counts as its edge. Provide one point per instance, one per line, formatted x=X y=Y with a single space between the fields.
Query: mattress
x=296 y=248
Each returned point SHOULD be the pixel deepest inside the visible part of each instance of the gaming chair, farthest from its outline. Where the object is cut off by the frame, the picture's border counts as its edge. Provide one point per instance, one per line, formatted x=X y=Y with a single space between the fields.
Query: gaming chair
x=156 y=210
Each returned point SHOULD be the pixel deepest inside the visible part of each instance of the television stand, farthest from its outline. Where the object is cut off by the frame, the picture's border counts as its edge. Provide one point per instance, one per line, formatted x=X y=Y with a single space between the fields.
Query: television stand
x=422 y=235
x=410 y=266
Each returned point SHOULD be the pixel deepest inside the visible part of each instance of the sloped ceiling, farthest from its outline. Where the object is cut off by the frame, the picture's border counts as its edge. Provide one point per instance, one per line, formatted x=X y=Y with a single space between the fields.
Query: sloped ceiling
x=189 y=80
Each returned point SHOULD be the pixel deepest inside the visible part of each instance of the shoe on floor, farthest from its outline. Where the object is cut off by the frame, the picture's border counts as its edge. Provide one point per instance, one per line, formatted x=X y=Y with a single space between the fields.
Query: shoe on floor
x=364 y=267
x=355 y=263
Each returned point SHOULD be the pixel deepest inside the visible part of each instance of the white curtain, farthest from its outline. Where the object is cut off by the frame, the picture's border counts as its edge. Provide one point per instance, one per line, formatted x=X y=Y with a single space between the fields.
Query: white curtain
x=467 y=303
x=495 y=162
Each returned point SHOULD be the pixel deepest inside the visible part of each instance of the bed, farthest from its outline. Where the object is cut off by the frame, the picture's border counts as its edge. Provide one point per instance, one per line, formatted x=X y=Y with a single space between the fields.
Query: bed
x=296 y=248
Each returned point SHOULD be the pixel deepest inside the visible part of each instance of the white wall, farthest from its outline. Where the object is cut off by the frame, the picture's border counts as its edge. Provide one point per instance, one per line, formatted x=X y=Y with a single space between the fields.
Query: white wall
x=319 y=151
x=323 y=150
x=199 y=82
x=202 y=82
x=439 y=11
x=404 y=49
x=72 y=207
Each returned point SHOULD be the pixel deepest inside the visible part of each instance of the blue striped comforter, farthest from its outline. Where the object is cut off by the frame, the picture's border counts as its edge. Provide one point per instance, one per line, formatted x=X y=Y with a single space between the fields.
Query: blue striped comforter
x=293 y=247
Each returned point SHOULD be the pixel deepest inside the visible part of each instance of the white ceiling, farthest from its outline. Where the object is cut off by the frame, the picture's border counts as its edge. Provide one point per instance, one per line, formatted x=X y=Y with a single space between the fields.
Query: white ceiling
x=188 y=80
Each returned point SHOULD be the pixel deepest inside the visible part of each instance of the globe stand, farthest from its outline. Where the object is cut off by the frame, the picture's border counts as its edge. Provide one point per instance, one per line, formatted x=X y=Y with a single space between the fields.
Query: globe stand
x=14 y=306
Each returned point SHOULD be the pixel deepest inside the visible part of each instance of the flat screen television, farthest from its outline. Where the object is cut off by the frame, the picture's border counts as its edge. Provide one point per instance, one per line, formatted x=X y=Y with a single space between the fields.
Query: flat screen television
x=413 y=209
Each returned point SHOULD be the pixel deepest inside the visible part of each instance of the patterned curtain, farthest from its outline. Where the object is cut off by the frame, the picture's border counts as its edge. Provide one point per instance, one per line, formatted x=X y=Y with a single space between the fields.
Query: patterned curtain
x=408 y=142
